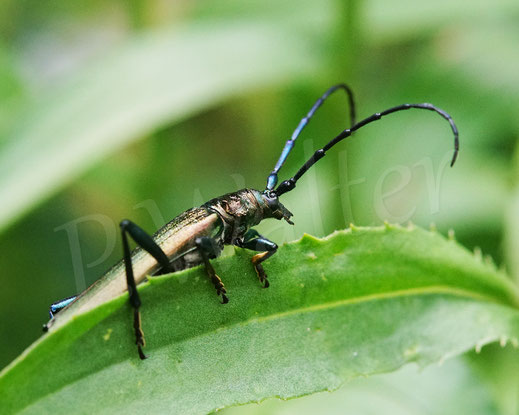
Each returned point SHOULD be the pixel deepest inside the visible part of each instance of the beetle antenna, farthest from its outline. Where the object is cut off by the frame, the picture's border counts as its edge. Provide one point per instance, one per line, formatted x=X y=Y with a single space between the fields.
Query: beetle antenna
x=273 y=177
x=289 y=184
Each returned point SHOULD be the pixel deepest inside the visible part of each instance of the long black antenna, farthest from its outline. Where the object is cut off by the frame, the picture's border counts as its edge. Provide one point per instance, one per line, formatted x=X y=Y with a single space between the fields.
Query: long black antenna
x=273 y=177
x=289 y=184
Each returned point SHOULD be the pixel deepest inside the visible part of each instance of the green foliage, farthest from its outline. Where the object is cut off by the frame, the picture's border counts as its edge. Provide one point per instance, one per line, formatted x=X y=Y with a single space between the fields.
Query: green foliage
x=359 y=302
x=124 y=96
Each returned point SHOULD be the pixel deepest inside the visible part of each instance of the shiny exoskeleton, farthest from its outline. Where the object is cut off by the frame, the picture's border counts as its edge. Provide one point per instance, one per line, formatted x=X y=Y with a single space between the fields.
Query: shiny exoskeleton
x=198 y=235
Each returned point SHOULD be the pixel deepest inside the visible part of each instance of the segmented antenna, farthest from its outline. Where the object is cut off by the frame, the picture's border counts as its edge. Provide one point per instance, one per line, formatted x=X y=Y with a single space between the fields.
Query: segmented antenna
x=273 y=177
x=288 y=185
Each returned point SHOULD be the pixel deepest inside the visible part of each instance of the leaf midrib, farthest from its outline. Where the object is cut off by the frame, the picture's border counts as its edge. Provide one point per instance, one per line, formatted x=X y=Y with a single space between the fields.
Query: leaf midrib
x=416 y=291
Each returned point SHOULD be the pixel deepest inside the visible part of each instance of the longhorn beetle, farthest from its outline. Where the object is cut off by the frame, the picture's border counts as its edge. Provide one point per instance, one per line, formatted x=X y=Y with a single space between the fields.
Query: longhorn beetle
x=199 y=234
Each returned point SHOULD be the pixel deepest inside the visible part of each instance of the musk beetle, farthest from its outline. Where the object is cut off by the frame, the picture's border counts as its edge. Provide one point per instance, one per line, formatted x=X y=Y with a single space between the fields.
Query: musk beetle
x=199 y=234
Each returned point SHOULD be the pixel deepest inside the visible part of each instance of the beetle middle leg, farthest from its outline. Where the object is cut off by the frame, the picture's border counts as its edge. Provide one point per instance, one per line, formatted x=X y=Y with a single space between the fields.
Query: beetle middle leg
x=146 y=242
x=209 y=249
x=256 y=242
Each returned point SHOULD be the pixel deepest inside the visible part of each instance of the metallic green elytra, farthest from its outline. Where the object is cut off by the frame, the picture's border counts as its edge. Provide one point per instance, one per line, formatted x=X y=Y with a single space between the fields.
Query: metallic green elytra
x=199 y=234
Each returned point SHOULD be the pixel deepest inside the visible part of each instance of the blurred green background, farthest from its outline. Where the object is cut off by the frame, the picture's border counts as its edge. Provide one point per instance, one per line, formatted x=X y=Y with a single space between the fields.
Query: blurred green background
x=143 y=109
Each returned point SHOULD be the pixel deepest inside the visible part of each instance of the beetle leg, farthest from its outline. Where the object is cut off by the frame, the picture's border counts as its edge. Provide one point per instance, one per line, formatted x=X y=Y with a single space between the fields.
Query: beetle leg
x=146 y=242
x=208 y=248
x=255 y=242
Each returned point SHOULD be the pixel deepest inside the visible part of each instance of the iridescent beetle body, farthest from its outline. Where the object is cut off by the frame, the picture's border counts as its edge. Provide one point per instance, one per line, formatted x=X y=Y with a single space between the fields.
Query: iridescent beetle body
x=225 y=221
x=199 y=234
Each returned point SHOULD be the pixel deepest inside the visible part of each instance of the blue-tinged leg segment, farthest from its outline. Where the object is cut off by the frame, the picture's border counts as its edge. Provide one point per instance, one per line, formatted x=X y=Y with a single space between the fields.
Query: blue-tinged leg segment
x=55 y=308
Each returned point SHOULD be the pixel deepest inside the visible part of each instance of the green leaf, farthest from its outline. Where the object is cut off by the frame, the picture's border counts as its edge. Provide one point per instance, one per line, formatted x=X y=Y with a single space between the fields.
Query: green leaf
x=498 y=367
x=156 y=78
x=435 y=390
x=511 y=245
x=399 y=19
x=359 y=302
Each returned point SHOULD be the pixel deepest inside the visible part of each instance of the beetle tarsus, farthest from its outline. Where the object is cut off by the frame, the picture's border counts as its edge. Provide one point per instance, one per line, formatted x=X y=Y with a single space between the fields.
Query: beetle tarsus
x=225 y=299
x=218 y=285
x=262 y=277
x=139 y=334
x=141 y=353
x=266 y=282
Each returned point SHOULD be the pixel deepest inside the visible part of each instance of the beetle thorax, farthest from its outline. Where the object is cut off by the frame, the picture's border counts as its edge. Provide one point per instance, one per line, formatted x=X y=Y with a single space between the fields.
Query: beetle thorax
x=239 y=212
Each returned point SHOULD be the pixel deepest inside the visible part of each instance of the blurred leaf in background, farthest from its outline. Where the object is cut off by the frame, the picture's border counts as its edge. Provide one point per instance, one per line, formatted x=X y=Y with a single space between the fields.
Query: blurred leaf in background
x=143 y=109
x=435 y=390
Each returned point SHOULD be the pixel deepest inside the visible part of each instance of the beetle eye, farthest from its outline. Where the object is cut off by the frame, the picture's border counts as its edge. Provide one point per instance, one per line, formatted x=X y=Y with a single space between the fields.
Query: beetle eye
x=272 y=202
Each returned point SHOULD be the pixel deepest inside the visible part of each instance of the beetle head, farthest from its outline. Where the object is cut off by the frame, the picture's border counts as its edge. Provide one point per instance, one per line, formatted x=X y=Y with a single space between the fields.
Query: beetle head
x=274 y=208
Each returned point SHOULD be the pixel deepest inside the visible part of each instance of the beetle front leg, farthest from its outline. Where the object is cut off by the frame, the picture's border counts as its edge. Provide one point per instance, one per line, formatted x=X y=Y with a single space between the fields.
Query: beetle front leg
x=208 y=248
x=255 y=242
x=146 y=242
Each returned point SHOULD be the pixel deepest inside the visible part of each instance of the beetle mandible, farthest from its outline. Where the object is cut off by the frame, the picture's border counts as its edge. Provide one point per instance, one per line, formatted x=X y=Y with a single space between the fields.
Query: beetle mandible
x=199 y=234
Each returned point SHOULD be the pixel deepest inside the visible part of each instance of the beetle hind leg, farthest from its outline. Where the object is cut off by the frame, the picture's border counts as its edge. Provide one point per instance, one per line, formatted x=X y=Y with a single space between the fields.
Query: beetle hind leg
x=146 y=242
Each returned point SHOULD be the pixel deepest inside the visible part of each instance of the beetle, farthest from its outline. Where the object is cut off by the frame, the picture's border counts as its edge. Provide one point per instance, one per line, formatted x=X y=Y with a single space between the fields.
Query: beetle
x=199 y=234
